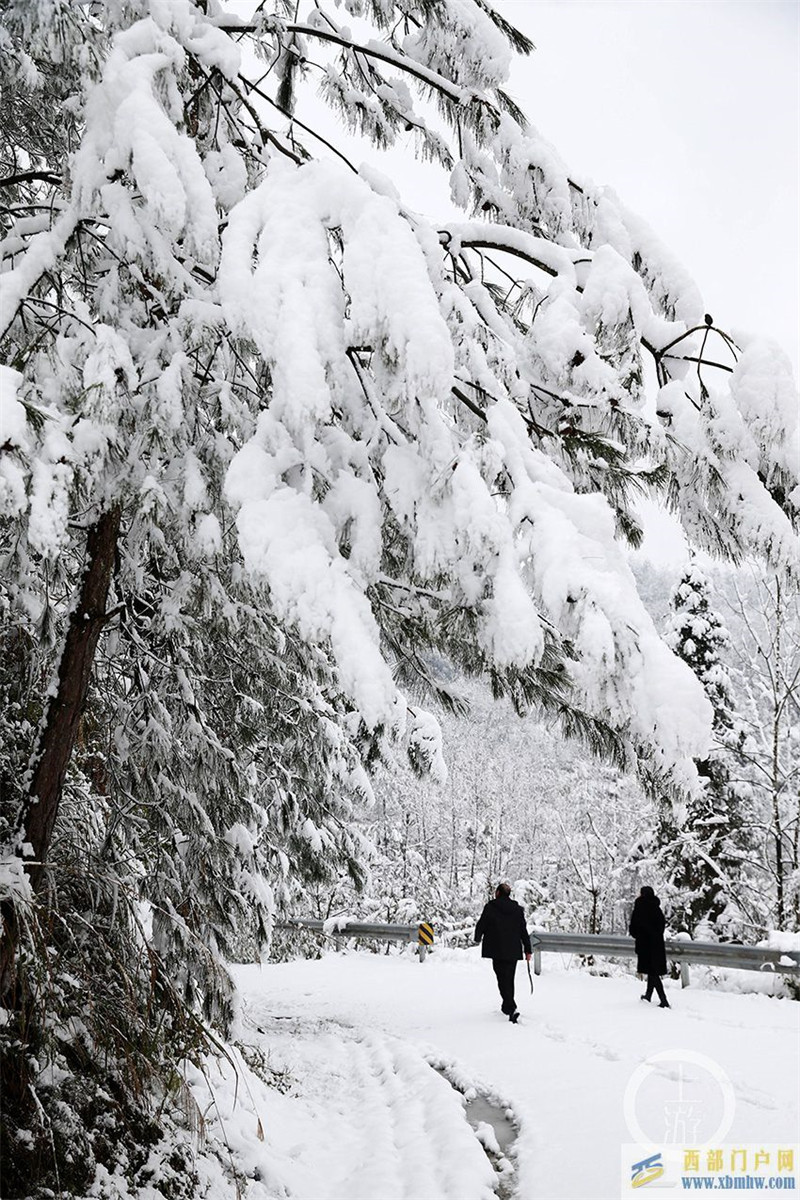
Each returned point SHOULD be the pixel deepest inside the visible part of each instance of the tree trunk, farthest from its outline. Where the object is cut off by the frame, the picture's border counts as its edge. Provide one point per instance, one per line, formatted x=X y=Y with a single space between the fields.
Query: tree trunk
x=57 y=738
x=779 y=868
x=62 y=717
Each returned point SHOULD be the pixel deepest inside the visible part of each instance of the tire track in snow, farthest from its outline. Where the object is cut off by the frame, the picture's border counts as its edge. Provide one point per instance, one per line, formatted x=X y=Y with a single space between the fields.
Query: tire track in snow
x=391 y=1126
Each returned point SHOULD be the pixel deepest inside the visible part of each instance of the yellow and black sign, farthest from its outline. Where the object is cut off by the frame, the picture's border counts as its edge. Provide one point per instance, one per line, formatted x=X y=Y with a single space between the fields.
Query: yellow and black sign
x=425 y=935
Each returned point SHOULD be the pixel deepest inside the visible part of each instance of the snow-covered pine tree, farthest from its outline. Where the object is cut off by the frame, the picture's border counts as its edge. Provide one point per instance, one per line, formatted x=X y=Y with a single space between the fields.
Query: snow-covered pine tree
x=268 y=438
x=706 y=851
x=767 y=676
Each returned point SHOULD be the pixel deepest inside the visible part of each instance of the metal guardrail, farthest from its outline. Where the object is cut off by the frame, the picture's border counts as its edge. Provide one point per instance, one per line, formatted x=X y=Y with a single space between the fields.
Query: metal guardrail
x=603 y=945
x=421 y=933
x=683 y=951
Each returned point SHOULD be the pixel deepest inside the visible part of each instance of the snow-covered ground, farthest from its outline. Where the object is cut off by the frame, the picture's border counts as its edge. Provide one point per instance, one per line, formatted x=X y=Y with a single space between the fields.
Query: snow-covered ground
x=356 y=1112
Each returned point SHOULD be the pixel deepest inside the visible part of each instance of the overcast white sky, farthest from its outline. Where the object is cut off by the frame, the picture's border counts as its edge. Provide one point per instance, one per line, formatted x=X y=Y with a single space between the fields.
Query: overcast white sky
x=689 y=109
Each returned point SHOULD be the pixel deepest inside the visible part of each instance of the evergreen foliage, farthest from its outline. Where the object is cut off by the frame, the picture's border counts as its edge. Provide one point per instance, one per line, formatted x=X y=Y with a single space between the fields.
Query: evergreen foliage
x=269 y=442
x=705 y=854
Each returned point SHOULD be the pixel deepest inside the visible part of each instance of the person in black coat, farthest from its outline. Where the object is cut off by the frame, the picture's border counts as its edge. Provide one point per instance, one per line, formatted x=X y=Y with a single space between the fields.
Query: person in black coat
x=505 y=936
x=647 y=928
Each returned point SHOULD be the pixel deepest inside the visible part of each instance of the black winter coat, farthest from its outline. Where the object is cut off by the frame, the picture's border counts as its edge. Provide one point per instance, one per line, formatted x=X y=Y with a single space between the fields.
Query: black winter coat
x=502 y=927
x=647 y=927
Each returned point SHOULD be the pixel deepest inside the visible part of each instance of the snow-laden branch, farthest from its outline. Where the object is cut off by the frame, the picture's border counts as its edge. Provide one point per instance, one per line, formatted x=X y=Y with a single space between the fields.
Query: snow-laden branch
x=43 y=252
x=539 y=252
x=30 y=177
x=377 y=50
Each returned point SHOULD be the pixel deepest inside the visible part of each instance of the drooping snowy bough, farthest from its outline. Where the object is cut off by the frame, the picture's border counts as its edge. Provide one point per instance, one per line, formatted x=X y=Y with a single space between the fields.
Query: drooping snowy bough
x=272 y=444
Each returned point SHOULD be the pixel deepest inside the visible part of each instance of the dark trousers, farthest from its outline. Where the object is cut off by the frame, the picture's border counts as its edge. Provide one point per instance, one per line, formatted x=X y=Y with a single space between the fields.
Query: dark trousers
x=654 y=981
x=505 y=969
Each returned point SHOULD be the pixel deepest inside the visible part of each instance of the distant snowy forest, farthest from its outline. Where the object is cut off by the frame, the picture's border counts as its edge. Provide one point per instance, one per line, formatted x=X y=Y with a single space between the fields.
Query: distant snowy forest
x=579 y=836
x=316 y=524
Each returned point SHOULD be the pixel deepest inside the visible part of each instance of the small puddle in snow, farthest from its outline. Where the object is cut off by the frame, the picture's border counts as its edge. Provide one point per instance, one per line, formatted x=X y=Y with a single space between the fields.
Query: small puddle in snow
x=480 y=1112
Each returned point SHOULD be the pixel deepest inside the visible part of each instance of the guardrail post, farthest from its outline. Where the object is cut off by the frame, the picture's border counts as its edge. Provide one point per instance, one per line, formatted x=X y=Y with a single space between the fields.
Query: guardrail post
x=683 y=964
x=424 y=939
x=537 y=961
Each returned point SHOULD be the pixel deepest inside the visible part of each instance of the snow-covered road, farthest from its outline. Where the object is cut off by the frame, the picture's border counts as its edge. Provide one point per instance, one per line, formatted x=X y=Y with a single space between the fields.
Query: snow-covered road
x=363 y=1117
